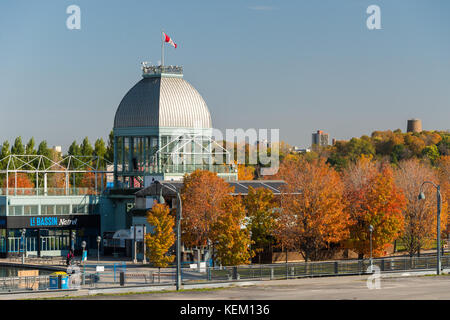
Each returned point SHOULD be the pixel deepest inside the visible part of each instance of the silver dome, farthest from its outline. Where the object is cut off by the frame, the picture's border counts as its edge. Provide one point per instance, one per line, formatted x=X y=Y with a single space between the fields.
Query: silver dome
x=163 y=102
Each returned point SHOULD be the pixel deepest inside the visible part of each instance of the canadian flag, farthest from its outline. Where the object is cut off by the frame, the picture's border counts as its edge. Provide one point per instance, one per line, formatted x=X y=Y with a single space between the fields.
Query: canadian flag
x=166 y=38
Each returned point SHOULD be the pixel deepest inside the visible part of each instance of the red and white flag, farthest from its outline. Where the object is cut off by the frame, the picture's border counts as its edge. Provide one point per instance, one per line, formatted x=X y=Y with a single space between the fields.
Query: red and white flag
x=166 y=38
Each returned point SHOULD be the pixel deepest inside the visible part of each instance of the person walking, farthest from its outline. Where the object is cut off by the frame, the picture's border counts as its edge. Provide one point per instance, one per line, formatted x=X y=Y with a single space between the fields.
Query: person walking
x=69 y=257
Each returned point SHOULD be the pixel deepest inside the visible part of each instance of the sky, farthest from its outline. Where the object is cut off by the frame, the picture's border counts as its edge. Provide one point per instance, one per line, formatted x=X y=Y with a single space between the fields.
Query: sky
x=297 y=66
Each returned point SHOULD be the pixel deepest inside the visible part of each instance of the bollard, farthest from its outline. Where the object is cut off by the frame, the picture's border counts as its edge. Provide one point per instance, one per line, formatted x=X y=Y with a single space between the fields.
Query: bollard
x=122 y=278
x=336 y=267
x=271 y=273
x=235 y=274
x=59 y=281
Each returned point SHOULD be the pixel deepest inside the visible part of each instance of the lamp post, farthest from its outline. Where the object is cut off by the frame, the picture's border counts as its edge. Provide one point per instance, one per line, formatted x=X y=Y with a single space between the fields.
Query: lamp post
x=371 y=262
x=438 y=221
x=178 y=223
x=24 y=245
x=83 y=245
x=73 y=241
x=98 y=247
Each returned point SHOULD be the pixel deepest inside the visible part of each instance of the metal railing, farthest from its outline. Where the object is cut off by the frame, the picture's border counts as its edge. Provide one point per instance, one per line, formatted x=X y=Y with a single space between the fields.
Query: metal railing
x=155 y=70
x=117 y=274
x=10 y=284
x=49 y=191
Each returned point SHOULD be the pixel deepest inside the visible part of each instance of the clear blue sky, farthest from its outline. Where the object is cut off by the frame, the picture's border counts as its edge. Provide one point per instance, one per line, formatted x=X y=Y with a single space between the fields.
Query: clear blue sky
x=297 y=65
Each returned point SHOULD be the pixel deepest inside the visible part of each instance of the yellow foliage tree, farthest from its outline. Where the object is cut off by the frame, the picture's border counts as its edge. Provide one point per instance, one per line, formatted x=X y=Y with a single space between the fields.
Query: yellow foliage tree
x=232 y=239
x=162 y=237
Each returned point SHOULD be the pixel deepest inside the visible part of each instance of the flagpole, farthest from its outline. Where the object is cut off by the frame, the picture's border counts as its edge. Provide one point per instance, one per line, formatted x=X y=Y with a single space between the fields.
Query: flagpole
x=162 y=50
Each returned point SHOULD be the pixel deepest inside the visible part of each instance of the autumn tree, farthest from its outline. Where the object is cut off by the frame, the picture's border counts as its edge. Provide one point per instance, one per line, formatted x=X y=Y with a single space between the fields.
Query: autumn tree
x=20 y=180
x=245 y=172
x=260 y=206
x=161 y=236
x=203 y=195
x=419 y=215
x=444 y=176
x=312 y=218
x=231 y=237
x=372 y=199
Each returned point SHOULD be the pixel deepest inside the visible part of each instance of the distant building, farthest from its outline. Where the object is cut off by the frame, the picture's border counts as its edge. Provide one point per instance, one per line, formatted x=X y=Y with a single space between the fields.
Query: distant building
x=57 y=149
x=320 y=138
x=300 y=150
x=414 y=125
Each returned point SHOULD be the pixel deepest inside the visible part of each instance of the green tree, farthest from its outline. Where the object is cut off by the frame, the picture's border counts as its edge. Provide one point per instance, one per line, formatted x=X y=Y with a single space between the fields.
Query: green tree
x=17 y=147
x=86 y=148
x=4 y=153
x=74 y=149
x=100 y=151
x=431 y=152
x=358 y=147
x=30 y=147
x=109 y=155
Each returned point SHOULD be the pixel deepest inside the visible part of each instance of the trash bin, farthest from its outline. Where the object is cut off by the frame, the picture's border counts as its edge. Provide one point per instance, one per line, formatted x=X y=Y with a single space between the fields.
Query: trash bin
x=57 y=277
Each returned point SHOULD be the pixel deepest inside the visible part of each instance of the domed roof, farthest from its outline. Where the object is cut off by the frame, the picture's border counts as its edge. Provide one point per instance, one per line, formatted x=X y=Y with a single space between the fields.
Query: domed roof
x=162 y=101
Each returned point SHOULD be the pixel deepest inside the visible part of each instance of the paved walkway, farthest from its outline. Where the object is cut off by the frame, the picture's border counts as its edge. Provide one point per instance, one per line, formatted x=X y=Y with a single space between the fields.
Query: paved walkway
x=399 y=286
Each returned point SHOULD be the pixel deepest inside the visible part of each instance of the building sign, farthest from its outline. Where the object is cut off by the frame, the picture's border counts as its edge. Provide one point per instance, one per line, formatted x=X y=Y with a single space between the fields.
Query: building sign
x=137 y=233
x=51 y=222
x=63 y=221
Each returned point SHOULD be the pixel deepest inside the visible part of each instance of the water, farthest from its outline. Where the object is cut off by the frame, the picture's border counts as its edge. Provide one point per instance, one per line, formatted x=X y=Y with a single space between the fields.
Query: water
x=7 y=271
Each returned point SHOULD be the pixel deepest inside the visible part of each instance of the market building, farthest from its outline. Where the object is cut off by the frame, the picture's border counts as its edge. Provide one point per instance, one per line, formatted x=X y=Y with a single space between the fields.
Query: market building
x=162 y=131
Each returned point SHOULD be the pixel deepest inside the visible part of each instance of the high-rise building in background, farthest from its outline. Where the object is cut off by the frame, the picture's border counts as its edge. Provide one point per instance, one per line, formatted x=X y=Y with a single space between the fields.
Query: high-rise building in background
x=414 y=125
x=320 y=138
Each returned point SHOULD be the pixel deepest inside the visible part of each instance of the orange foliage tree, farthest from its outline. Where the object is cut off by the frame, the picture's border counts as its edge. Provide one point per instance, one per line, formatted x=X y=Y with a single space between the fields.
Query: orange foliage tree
x=245 y=172
x=444 y=177
x=203 y=196
x=372 y=199
x=212 y=216
x=21 y=180
x=419 y=215
x=312 y=218
x=88 y=181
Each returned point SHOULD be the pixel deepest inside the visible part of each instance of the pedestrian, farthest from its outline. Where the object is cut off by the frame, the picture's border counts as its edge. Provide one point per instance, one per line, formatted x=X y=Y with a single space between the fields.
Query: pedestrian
x=69 y=257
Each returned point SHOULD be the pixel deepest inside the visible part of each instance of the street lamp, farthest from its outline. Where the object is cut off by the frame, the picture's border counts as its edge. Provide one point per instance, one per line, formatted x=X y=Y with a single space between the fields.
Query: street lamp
x=24 y=245
x=371 y=262
x=178 y=223
x=98 y=247
x=73 y=240
x=438 y=221
x=83 y=245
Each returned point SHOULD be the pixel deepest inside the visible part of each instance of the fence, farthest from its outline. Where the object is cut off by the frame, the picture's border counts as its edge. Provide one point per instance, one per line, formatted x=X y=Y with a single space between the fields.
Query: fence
x=317 y=269
x=117 y=274
x=11 y=284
